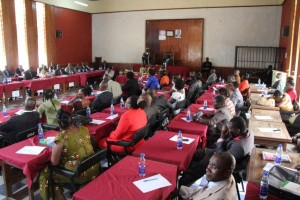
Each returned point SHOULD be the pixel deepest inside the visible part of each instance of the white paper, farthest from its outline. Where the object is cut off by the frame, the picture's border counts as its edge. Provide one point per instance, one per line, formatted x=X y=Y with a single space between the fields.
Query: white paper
x=71 y=84
x=16 y=93
x=64 y=102
x=210 y=109
x=220 y=85
x=97 y=121
x=111 y=117
x=261 y=117
x=56 y=86
x=152 y=183
x=261 y=90
x=31 y=150
x=268 y=167
x=189 y=140
x=269 y=130
x=40 y=91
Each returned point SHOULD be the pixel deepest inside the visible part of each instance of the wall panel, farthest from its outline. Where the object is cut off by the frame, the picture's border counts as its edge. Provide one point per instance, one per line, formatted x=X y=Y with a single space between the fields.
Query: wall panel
x=32 y=36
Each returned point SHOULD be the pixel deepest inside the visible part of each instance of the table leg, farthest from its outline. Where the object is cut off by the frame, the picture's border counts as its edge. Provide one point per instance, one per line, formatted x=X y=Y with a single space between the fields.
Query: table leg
x=284 y=146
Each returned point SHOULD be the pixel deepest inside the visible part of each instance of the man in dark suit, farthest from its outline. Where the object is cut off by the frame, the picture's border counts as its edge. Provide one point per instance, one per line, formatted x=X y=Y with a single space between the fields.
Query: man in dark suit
x=30 y=74
x=161 y=103
x=104 y=99
x=131 y=86
x=60 y=71
x=20 y=70
x=8 y=73
x=28 y=119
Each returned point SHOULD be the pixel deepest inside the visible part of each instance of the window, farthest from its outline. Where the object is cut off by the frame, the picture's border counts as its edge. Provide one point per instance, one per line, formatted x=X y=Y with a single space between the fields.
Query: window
x=2 y=45
x=41 y=28
x=21 y=33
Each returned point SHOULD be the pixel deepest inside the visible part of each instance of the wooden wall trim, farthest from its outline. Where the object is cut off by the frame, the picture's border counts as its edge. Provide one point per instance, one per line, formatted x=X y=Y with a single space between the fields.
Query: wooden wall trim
x=50 y=33
x=32 y=36
x=10 y=33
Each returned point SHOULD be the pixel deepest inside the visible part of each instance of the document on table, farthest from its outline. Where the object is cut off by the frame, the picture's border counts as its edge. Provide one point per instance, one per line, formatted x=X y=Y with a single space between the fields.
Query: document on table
x=111 y=117
x=152 y=183
x=97 y=121
x=31 y=150
x=269 y=130
x=185 y=140
x=64 y=102
x=261 y=117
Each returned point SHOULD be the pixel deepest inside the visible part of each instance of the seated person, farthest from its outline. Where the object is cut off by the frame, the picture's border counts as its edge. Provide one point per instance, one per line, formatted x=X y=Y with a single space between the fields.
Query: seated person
x=18 y=123
x=168 y=61
x=178 y=95
x=110 y=72
x=85 y=67
x=114 y=87
x=149 y=108
x=71 y=146
x=293 y=125
x=228 y=103
x=160 y=102
x=278 y=85
x=216 y=121
x=152 y=81
x=165 y=80
x=212 y=78
x=52 y=67
x=20 y=71
x=30 y=74
x=196 y=85
x=217 y=183
x=104 y=99
x=236 y=96
x=70 y=69
x=44 y=72
x=78 y=68
x=8 y=73
x=80 y=101
x=230 y=79
x=244 y=86
x=142 y=69
x=237 y=77
x=49 y=107
x=60 y=71
x=132 y=120
x=290 y=90
x=283 y=101
x=235 y=139
x=131 y=87
x=3 y=78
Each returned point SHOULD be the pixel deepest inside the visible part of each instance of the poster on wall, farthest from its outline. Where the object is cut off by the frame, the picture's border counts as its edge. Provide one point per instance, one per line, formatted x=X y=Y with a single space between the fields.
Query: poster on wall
x=162 y=35
x=177 y=33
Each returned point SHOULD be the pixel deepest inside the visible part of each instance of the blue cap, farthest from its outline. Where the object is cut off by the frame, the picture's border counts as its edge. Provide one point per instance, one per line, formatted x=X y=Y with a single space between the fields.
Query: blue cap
x=266 y=173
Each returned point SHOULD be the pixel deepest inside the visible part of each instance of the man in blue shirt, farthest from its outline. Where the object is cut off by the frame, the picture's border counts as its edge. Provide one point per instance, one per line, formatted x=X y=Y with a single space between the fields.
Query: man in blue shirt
x=152 y=81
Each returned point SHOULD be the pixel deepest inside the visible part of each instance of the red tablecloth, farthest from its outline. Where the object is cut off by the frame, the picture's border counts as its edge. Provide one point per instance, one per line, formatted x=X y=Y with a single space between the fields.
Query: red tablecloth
x=58 y=80
x=102 y=130
x=30 y=164
x=194 y=128
x=1 y=90
x=121 y=79
x=182 y=70
x=84 y=76
x=9 y=114
x=199 y=108
x=117 y=110
x=206 y=96
x=252 y=193
x=38 y=84
x=15 y=85
x=160 y=148
x=73 y=78
x=116 y=182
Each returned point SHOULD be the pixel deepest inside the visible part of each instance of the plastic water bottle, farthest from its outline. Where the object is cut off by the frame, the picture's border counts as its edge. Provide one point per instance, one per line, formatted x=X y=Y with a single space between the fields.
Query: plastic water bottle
x=205 y=104
x=179 y=140
x=278 y=156
x=88 y=112
x=40 y=131
x=112 y=108
x=4 y=111
x=188 y=115
x=264 y=186
x=142 y=165
x=122 y=105
x=259 y=82
x=223 y=82
x=220 y=79
x=55 y=95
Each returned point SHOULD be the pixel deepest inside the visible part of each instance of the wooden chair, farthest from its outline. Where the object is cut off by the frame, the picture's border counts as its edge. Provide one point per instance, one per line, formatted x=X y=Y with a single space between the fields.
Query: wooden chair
x=138 y=136
x=72 y=175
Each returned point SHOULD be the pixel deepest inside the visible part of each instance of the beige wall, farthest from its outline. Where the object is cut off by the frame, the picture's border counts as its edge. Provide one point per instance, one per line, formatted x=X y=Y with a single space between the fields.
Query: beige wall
x=120 y=37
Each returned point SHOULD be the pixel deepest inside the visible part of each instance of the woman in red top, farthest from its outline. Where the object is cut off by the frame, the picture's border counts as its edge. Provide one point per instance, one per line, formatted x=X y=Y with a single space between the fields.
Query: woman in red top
x=131 y=121
x=290 y=90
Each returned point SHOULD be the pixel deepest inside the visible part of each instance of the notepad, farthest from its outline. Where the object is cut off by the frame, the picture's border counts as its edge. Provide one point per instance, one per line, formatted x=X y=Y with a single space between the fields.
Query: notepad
x=185 y=140
x=64 y=102
x=260 y=117
x=271 y=156
x=31 y=150
x=97 y=121
x=291 y=187
x=49 y=141
x=152 y=183
x=111 y=117
x=269 y=130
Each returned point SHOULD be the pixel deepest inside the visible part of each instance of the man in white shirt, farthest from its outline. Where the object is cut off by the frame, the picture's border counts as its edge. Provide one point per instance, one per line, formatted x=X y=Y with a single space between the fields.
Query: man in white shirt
x=113 y=87
x=217 y=183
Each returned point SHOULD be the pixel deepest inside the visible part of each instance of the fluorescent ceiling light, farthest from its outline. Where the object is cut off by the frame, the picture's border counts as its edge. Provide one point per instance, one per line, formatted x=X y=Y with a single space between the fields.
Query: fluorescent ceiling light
x=80 y=3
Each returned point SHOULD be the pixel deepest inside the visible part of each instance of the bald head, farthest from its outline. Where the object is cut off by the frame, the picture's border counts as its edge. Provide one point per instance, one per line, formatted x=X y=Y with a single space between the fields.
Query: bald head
x=30 y=104
x=103 y=85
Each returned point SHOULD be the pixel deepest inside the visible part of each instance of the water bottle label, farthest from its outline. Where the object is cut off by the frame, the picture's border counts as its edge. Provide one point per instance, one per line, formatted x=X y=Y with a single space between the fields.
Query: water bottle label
x=142 y=170
x=277 y=159
x=179 y=144
x=263 y=191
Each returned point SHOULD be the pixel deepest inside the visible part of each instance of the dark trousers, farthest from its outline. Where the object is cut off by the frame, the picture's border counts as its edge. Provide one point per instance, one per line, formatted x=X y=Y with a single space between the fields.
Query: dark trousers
x=197 y=167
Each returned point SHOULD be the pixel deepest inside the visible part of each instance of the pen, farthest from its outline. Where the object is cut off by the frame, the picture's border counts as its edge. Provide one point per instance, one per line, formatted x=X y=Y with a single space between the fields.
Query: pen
x=152 y=179
x=185 y=140
x=276 y=130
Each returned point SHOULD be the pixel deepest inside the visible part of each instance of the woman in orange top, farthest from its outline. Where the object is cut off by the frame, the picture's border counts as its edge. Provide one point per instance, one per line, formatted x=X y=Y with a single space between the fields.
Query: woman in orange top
x=165 y=80
x=131 y=121
x=244 y=85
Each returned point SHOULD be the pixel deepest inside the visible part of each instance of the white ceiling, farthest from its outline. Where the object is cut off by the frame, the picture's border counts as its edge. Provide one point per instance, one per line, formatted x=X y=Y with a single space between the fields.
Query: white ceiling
x=103 y=6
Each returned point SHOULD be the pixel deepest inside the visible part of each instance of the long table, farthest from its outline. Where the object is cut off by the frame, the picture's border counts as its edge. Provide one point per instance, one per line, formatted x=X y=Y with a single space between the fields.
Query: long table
x=256 y=163
x=117 y=182
x=84 y=76
x=19 y=166
x=279 y=134
x=160 y=148
x=266 y=115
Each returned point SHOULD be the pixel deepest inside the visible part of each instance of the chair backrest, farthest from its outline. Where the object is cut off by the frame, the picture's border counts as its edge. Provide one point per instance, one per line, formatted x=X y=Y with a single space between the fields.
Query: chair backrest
x=163 y=114
x=242 y=164
x=50 y=127
x=140 y=134
x=180 y=104
x=26 y=134
x=91 y=161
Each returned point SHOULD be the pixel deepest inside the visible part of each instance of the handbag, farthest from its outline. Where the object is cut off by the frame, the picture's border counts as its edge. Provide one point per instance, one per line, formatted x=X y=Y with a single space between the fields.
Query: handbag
x=277 y=176
x=263 y=101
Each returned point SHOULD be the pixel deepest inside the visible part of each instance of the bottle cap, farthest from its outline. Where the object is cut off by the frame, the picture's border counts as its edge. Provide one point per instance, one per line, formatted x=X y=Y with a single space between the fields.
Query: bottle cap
x=179 y=131
x=279 y=145
x=266 y=173
x=142 y=154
